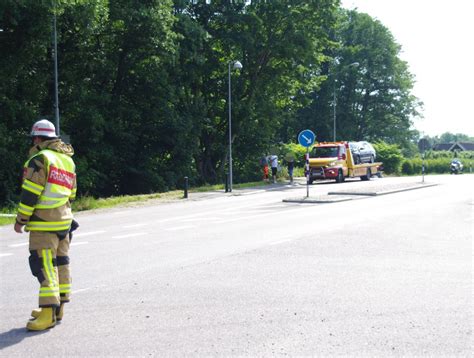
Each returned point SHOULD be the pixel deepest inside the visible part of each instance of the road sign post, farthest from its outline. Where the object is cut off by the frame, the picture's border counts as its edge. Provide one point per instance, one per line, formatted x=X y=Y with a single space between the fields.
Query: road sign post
x=306 y=139
x=423 y=145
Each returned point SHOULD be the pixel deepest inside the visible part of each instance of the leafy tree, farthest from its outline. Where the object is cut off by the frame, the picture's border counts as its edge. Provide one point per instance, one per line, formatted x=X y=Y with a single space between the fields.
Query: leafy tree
x=280 y=47
x=449 y=137
x=123 y=106
x=143 y=85
x=25 y=84
x=372 y=85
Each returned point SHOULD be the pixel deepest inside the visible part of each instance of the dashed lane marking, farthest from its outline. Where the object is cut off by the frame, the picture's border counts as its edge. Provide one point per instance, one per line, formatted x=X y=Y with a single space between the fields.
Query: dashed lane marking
x=18 y=245
x=257 y=216
x=280 y=242
x=81 y=290
x=135 y=225
x=79 y=243
x=130 y=235
x=180 y=228
x=2 y=255
x=82 y=234
x=201 y=219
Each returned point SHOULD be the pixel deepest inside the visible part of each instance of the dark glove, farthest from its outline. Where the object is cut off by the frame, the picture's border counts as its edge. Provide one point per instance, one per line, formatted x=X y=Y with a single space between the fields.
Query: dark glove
x=74 y=226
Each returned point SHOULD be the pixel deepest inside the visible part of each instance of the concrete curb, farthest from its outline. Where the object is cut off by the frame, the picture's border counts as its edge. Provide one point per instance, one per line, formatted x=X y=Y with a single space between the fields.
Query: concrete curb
x=339 y=196
x=382 y=192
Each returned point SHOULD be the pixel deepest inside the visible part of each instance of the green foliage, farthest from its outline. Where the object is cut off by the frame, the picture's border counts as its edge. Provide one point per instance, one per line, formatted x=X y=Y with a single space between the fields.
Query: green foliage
x=143 y=86
x=295 y=150
x=434 y=165
x=390 y=155
x=371 y=84
x=448 y=154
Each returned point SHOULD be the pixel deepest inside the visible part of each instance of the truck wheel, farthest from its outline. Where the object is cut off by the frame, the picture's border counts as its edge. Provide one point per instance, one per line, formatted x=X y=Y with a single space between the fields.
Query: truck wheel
x=367 y=176
x=340 y=176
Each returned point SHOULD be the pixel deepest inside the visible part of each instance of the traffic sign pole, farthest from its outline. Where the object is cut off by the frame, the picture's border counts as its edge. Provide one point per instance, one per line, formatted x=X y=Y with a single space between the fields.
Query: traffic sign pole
x=307 y=172
x=306 y=138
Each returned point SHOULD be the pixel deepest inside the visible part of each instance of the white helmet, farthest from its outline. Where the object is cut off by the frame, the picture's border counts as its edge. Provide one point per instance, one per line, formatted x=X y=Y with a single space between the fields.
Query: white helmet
x=43 y=128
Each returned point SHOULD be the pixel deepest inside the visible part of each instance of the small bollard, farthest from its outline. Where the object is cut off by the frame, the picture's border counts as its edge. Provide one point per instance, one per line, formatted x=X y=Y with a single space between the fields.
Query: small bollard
x=186 y=183
x=226 y=183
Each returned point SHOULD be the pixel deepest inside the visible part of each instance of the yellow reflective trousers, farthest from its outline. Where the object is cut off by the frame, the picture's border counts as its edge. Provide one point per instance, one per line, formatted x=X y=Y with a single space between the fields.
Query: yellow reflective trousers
x=49 y=263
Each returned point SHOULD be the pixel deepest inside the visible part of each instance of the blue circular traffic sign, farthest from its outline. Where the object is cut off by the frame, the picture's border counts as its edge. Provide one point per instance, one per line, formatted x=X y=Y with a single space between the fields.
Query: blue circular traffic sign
x=306 y=138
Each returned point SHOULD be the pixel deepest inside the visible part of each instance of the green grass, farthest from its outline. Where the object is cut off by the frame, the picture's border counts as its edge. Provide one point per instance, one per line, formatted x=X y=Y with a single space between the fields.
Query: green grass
x=7 y=220
x=89 y=202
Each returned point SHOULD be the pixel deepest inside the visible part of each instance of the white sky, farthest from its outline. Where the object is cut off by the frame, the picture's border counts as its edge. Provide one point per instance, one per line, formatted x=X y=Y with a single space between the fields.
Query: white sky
x=437 y=39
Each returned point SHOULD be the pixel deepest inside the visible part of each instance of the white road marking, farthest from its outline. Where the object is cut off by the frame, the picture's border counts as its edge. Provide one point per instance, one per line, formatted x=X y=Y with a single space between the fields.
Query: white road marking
x=280 y=242
x=180 y=228
x=2 y=255
x=135 y=225
x=201 y=219
x=18 y=245
x=88 y=288
x=82 y=234
x=126 y=212
x=130 y=235
x=207 y=213
x=258 y=216
x=251 y=192
x=79 y=243
x=81 y=290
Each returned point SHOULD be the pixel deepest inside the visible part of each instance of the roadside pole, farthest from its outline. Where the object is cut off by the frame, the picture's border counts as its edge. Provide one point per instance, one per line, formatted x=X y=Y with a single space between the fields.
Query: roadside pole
x=423 y=167
x=423 y=145
x=307 y=172
x=306 y=138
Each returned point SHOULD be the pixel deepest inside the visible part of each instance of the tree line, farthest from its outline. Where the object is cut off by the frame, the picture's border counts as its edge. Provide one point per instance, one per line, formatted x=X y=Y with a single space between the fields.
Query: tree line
x=143 y=85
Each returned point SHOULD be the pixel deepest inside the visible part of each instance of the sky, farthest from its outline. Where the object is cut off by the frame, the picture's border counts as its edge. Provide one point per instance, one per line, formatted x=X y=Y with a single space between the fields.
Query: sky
x=437 y=43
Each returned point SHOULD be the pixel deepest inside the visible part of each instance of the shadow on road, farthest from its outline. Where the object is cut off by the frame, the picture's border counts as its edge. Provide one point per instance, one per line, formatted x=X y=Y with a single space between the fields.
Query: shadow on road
x=15 y=336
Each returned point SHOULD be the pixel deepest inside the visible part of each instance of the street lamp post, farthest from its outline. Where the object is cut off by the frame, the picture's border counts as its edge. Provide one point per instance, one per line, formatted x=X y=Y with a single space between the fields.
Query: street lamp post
x=236 y=65
x=56 y=96
x=354 y=64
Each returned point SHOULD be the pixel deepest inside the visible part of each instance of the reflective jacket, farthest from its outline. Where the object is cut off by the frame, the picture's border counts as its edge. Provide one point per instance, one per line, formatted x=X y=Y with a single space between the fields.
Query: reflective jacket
x=49 y=183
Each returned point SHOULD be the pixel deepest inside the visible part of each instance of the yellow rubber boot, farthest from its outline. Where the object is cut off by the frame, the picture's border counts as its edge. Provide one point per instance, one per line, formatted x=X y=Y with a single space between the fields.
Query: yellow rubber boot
x=36 y=312
x=59 y=312
x=45 y=320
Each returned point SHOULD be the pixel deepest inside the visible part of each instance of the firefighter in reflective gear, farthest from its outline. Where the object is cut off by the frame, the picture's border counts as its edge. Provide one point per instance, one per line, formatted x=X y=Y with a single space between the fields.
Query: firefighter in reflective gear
x=49 y=184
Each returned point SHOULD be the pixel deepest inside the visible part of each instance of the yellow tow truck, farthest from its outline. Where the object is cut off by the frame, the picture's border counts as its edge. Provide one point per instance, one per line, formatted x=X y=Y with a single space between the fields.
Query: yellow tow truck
x=334 y=160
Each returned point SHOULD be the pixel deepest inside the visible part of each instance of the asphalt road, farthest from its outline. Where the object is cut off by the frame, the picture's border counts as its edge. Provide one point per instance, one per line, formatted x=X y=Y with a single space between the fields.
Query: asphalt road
x=249 y=275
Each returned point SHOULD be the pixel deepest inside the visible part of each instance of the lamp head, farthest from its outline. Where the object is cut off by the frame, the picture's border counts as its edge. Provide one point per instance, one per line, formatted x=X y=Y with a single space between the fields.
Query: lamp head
x=237 y=65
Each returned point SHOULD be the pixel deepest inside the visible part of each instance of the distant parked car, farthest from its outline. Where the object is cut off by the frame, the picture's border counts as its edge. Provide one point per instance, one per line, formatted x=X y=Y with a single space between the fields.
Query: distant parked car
x=362 y=152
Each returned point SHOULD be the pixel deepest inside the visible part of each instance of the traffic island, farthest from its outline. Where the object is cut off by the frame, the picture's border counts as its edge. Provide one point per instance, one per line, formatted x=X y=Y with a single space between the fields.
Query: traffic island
x=346 y=195
x=383 y=189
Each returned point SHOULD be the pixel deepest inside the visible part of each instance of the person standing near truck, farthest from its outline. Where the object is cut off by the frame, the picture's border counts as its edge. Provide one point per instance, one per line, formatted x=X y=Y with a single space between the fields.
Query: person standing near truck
x=49 y=184
x=264 y=164
x=290 y=162
x=274 y=166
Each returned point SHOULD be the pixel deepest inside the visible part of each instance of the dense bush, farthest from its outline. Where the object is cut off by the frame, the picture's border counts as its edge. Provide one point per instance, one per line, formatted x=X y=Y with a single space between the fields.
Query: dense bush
x=390 y=155
x=438 y=165
x=447 y=154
